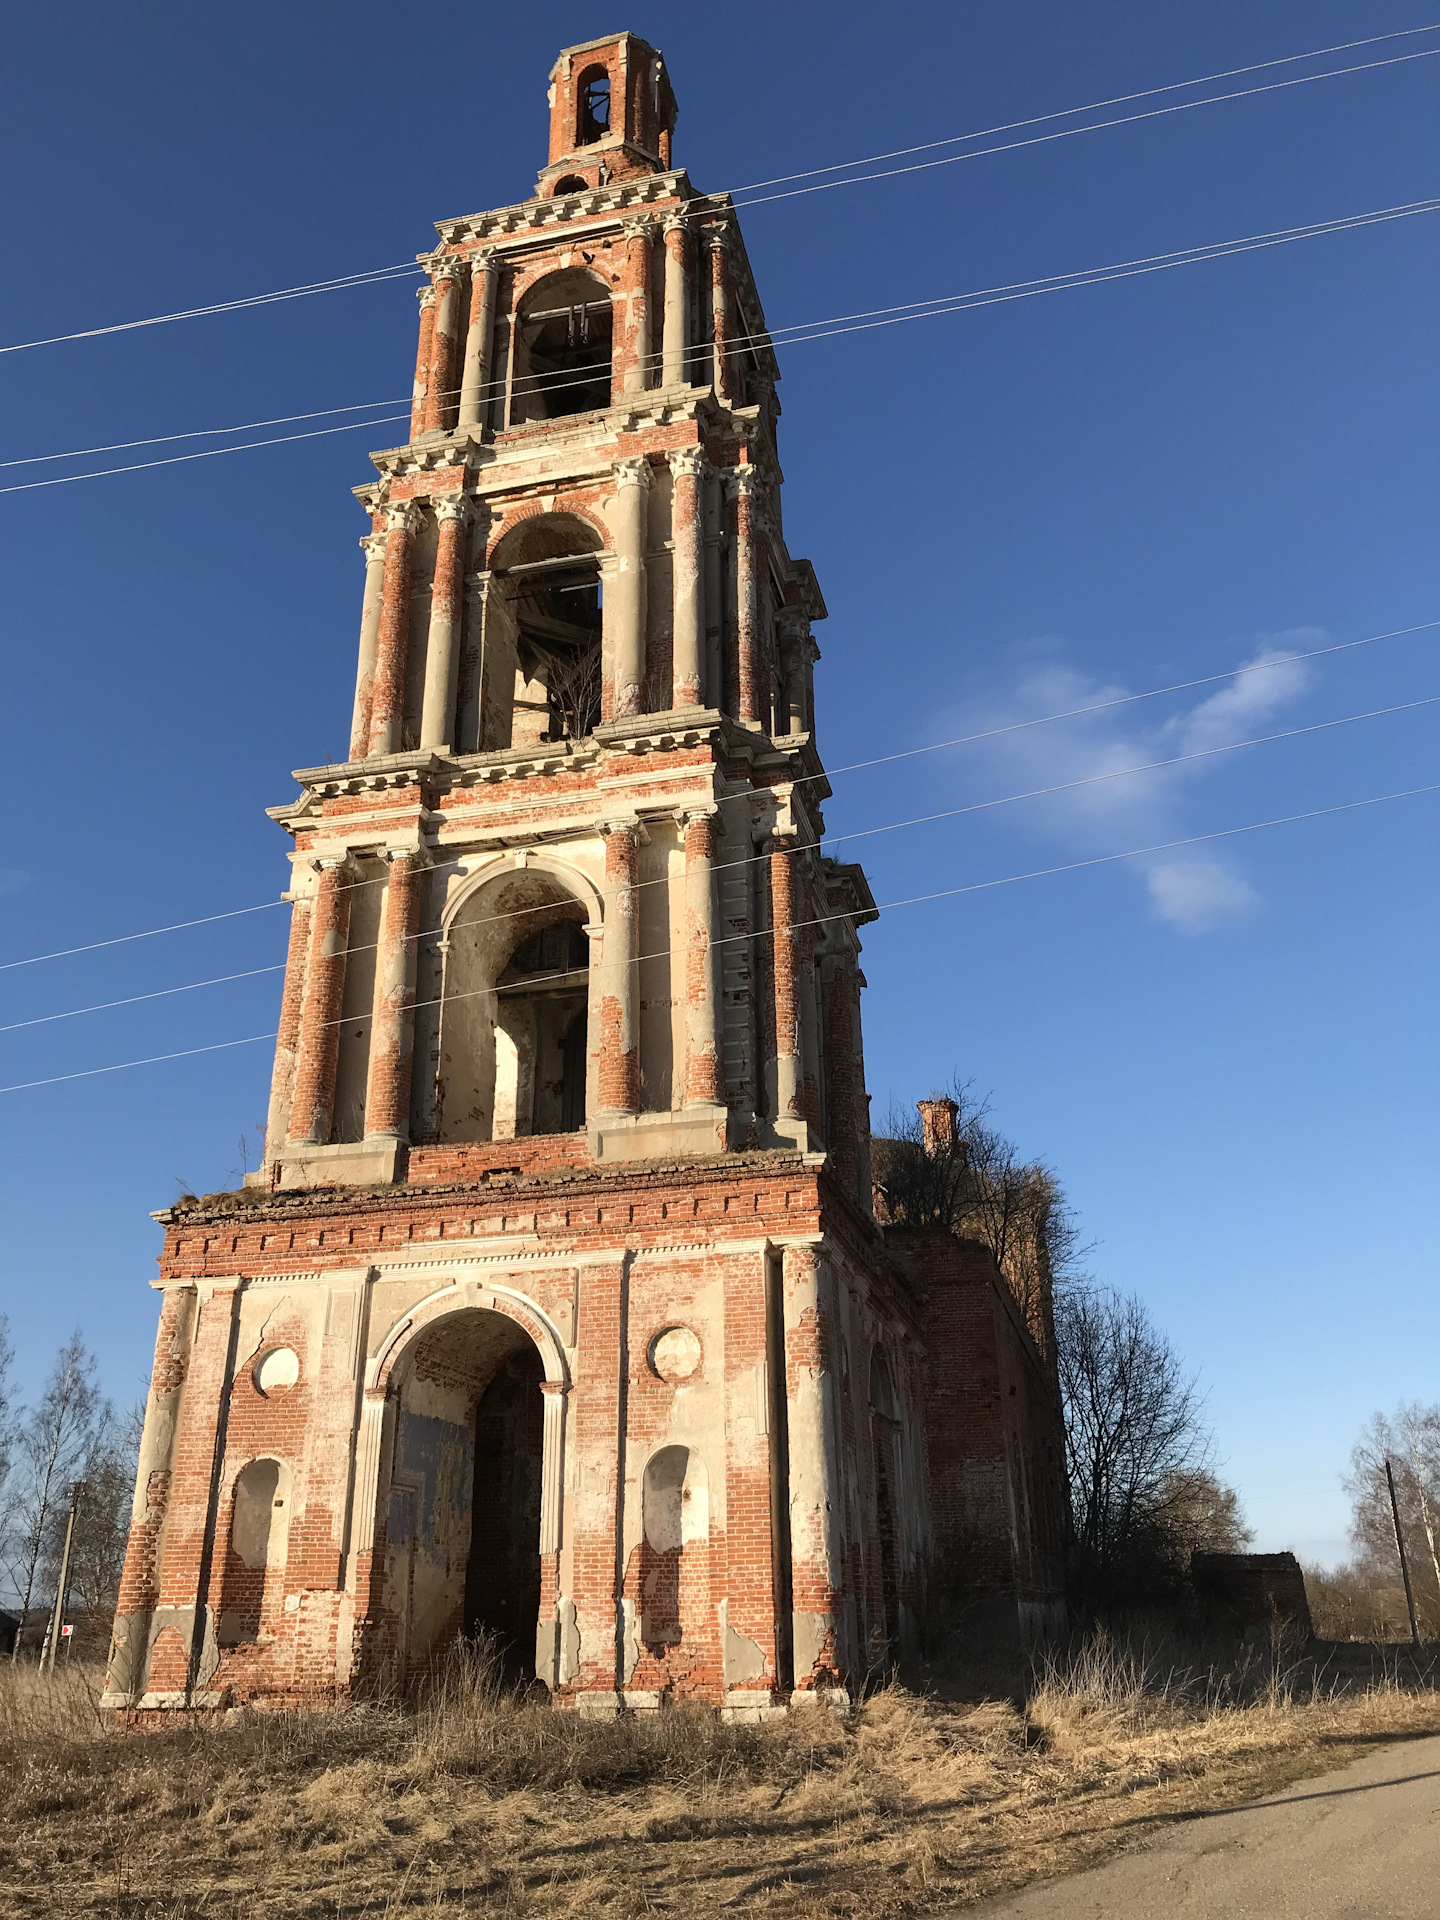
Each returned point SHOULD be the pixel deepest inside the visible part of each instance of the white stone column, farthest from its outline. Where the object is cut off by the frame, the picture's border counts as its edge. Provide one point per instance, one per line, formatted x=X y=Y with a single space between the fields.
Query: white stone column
x=639 y=238
x=688 y=629
x=374 y=546
x=704 y=1062
x=619 y=1074
x=674 y=372
x=625 y=608
x=479 y=343
x=442 y=647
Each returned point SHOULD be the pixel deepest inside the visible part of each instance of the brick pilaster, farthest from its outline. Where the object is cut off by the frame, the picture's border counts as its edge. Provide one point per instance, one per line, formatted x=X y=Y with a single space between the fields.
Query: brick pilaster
x=387 y=1096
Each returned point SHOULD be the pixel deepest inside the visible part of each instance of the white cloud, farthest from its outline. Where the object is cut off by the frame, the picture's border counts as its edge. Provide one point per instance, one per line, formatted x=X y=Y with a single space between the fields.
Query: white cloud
x=1193 y=893
x=1197 y=894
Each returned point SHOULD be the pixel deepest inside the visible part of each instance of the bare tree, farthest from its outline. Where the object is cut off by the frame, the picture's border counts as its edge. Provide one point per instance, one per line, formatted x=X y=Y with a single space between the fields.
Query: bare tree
x=56 y=1437
x=7 y=1417
x=964 y=1174
x=1411 y=1443
x=1134 y=1432
x=1196 y=1512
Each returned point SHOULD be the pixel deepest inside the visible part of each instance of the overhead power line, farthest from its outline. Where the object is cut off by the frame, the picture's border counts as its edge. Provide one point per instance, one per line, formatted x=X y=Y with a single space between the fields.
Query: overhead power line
x=794 y=333
x=750 y=860
x=1094 y=126
x=885 y=906
x=375 y=274
x=832 y=773
x=1093 y=106
x=935 y=308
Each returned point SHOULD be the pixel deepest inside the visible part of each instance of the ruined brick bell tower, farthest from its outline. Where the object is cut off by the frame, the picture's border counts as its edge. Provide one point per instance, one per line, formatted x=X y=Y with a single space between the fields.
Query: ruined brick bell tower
x=558 y=1310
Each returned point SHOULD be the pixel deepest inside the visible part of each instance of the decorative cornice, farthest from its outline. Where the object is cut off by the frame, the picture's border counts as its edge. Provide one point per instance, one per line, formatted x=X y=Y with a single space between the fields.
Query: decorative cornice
x=530 y=216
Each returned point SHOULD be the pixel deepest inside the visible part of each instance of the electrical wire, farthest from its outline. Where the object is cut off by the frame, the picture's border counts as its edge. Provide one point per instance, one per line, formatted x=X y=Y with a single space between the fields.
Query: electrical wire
x=937 y=308
x=375 y=274
x=1096 y=126
x=1094 y=106
x=855 y=766
x=785 y=335
x=750 y=860
x=887 y=906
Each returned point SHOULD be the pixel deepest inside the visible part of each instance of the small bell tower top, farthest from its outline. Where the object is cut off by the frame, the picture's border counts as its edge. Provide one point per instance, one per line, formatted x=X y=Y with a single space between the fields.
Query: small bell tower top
x=611 y=114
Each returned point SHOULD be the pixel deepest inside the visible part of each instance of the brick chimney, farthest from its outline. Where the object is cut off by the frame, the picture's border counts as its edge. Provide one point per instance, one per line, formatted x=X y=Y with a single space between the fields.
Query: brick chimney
x=937 y=1117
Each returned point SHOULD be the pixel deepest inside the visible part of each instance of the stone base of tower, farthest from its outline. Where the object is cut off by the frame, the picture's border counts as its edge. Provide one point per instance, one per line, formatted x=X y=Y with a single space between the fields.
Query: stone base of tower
x=622 y=1419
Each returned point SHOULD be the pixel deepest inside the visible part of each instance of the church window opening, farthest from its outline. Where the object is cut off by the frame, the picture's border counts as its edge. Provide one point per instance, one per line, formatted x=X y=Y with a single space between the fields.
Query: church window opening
x=541 y=1032
x=558 y=623
x=571 y=183
x=562 y=363
x=594 y=106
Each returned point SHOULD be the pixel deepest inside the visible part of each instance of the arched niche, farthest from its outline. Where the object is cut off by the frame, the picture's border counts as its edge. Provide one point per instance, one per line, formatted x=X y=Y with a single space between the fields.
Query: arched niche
x=256 y=1544
x=563 y=338
x=675 y=1550
x=543 y=670
x=514 y=1054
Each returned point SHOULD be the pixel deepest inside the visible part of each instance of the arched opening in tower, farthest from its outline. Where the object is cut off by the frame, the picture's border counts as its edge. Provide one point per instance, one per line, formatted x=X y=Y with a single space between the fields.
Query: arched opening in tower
x=462 y=1536
x=543 y=675
x=594 y=97
x=562 y=348
x=514 y=1023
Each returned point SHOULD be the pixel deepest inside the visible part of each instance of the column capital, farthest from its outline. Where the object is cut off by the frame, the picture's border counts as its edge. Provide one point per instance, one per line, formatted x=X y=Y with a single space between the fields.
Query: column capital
x=426 y=296
x=675 y=222
x=419 y=854
x=372 y=545
x=720 y=237
x=693 y=815
x=743 y=482
x=401 y=517
x=633 y=473
x=452 y=506
x=644 y=228
x=689 y=460
x=450 y=266
x=607 y=827
x=331 y=862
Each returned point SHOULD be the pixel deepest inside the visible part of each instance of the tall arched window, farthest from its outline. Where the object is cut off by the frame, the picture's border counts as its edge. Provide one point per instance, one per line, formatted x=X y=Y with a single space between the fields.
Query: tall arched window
x=594 y=96
x=562 y=348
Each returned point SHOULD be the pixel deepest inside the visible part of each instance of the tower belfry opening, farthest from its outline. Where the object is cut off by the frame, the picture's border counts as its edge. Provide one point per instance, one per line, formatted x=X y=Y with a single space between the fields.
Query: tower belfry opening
x=559 y=1310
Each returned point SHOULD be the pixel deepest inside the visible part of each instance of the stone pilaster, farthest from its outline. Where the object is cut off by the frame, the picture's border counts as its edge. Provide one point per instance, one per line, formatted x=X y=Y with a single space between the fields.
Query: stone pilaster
x=374 y=547
x=722 y=323
x=704 y=1067
x=479 y=343
x=387 y=1093
x=747 y=691
x=442 y=647
x=318 y=1047
x=392 y=645
x=625 y=603
x=688 y=628
x=424 y=354
x=287 y=1039
x=619 y=1076
x=440 y=397
x=674 y=370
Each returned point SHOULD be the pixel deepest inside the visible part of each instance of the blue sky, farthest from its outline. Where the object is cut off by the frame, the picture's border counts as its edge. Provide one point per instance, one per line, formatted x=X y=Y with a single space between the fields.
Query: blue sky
x=1228 y=1052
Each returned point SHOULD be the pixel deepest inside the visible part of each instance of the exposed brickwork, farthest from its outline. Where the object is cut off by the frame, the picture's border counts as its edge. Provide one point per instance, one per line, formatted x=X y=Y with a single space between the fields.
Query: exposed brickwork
x=644 y=1178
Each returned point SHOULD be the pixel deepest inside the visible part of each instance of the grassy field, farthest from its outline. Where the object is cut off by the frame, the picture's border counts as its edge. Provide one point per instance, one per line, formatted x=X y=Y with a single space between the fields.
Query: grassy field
x=479 y=1802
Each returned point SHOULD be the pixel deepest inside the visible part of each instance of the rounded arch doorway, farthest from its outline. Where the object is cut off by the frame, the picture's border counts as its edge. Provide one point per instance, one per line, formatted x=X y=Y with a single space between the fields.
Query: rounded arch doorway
x=462 y=1523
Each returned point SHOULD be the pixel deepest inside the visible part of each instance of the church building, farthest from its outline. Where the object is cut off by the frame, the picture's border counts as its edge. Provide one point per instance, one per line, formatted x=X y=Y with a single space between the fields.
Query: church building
x=559 y=1309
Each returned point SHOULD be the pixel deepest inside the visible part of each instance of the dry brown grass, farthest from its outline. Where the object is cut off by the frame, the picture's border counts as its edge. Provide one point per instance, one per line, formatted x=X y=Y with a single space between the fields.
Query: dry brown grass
x=477 y=1801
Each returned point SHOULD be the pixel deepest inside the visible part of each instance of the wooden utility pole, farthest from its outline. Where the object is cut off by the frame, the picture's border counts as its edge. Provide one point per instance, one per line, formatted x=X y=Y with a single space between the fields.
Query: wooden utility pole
x=1400 y=1549
x=62 y=1585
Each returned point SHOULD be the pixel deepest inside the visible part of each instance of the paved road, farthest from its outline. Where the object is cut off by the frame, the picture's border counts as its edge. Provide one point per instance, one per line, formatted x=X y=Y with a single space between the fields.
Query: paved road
x=1361 y=1844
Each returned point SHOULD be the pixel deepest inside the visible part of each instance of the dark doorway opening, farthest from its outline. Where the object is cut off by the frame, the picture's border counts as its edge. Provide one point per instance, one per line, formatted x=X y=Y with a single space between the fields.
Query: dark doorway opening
x=502 y=1583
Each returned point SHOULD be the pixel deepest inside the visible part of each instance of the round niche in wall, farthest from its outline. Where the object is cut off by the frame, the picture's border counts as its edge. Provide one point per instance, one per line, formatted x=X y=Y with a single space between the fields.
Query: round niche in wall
x=675 y=1355
x=277 y=1369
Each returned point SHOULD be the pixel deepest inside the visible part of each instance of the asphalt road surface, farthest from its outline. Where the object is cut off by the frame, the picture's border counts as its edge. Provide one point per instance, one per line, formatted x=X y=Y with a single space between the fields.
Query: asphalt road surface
x=1361 y=1844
